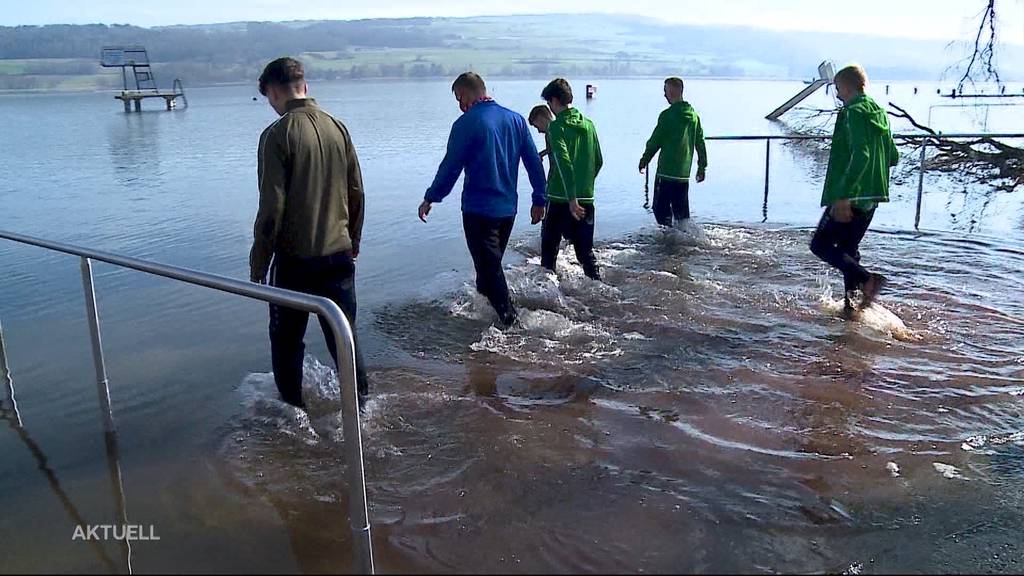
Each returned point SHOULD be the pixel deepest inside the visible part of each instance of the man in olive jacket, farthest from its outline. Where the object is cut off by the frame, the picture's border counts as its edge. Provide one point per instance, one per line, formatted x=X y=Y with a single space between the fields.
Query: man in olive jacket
x=310 y=219
x=677 y=136
x=575 y=162
x=856 y=182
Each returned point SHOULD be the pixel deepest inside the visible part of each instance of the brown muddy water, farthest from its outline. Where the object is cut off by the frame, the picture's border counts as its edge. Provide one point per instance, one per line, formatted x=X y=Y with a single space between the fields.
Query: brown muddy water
x=706 y=409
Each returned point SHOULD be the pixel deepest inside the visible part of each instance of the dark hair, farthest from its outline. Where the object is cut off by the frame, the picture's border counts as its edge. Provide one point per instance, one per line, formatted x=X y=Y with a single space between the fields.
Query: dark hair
x=558 y=88
x=470 y=81
x=539 y=110
x=675 y=81
x=281 y=72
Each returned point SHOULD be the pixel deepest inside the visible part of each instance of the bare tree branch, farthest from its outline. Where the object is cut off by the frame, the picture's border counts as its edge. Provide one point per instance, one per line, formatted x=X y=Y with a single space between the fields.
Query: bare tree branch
x=983 y=56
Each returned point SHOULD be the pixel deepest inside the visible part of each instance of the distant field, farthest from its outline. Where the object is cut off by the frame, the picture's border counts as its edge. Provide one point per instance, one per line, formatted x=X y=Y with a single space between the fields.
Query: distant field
x=595 y=45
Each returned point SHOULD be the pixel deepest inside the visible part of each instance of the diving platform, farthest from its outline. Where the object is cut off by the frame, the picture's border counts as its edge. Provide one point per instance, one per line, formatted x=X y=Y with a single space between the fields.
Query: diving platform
x=137 y=58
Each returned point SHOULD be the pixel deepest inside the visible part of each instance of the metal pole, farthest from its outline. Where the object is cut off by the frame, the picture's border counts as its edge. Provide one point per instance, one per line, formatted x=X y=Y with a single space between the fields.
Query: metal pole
x=6 y=370
x=647 y=188
x=117 y=487
x=920 y=186
x=767 y=174
x=358 y=516
x=93 y=318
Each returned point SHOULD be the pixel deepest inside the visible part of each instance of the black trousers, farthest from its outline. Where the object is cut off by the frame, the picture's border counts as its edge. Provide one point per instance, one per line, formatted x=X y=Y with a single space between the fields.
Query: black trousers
x=838 y=243
x=671 y=199
x=558 y=224
x=332 y=277
x=487 y=239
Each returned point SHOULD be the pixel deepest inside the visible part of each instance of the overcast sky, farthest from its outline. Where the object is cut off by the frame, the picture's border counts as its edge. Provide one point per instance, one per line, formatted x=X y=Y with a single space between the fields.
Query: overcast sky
x=940 y=19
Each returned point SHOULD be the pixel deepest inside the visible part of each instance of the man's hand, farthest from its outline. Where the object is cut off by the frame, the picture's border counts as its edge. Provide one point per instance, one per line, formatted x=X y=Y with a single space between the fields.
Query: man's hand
x=355 y=255
x=842 y=211
x=578 y=212
x=536 y=214
x=424 y=210
x=254 y=278
x=700 y=177
x=642 y=167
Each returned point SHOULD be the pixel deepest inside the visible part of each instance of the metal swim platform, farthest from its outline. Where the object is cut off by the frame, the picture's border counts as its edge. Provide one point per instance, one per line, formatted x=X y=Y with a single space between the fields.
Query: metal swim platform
x=325 y=308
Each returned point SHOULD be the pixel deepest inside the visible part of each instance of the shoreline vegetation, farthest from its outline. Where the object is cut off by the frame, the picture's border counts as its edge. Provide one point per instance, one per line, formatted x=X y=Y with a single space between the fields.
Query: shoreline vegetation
x=64 y=58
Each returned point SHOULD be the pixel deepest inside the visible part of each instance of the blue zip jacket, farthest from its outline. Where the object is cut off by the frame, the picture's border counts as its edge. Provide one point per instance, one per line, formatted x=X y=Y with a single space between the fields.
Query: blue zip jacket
x=488 y=142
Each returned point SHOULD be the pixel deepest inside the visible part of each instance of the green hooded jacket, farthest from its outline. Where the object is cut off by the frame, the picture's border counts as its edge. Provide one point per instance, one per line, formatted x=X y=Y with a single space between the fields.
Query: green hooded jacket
x=677 y=135
x=862 y=154
x=575 y=158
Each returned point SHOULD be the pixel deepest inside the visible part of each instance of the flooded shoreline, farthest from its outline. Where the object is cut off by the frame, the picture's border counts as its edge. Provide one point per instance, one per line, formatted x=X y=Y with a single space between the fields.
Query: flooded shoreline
x=680 y=417
x=704 y=409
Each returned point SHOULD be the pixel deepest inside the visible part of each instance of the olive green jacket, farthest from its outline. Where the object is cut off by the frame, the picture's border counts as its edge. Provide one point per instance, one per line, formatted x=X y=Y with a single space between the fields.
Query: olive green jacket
x=311 y=188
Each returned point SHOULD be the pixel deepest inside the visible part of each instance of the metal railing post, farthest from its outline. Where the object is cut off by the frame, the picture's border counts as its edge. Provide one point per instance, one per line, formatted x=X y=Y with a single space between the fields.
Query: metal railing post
x=920 y=186
x=359 y=516
x=5 y=371
x=93 y=319
x=767 y=175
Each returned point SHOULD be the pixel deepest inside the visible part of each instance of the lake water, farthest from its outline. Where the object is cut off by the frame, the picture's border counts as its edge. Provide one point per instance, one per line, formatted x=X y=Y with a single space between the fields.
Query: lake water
x=704 y=409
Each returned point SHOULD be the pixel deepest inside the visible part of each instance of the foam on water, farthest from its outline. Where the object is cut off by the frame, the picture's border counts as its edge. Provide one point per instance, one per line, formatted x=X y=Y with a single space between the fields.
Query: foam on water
x=322 y=418
x=876 y=317
x=948 y=471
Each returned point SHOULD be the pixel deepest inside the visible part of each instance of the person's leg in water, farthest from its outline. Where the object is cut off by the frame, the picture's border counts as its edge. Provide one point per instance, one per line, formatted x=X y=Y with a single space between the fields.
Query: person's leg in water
x=287 y=330
x=681 y=200
x=582 y=237
x=830 y=242
x=337 y=282
x=551 y=233
x=487 y=239
x=662 y=205
x=850 y=244
x=505 y=226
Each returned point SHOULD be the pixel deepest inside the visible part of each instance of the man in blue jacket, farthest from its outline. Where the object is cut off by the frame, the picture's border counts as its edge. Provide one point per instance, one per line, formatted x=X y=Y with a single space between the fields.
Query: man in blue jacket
x=488 y=141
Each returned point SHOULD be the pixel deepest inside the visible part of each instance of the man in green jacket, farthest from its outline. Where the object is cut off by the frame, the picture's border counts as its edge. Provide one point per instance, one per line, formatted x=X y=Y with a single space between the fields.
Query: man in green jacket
x=857 y=180
x=575 y=162
x=677 y=135
x=310 y=220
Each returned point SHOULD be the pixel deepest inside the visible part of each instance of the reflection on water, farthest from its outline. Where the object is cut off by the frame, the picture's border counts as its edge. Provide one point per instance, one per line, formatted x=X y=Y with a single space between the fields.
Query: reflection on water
x=9 y=412
x=706 y=409
x=135 y=152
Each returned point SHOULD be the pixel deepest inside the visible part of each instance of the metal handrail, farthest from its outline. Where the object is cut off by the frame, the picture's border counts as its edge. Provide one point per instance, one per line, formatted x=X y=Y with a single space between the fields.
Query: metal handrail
x=924 y=137
x=954 y=136
x=325 y=308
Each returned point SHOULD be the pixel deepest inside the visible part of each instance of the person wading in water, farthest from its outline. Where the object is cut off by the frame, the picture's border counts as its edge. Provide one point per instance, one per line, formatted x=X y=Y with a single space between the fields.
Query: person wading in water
x=310 y=220
x=488 y=142
x=857 y=180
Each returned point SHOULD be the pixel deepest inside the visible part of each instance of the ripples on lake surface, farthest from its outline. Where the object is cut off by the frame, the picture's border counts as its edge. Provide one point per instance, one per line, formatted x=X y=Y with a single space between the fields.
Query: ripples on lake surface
x=706 y=408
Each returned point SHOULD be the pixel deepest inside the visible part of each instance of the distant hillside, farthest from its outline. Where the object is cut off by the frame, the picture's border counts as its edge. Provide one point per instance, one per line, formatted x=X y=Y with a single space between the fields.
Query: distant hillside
x=65 y=56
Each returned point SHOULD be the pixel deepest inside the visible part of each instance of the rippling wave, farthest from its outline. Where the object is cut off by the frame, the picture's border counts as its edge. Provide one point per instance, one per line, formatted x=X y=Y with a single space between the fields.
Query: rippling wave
x=706 y=407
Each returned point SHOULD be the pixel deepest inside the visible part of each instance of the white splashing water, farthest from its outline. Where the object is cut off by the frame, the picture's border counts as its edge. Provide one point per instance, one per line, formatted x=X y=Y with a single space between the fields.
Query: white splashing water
x=322 y=418
x=949 y=472
x=876 y=317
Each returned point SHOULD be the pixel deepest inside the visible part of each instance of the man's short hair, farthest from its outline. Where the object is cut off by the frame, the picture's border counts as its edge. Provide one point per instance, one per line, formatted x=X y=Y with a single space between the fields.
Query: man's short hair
x=675 y=82
x=558 y=88
x=540 y=110
x=470 y=81
x=282 y=72
x=853 y=75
